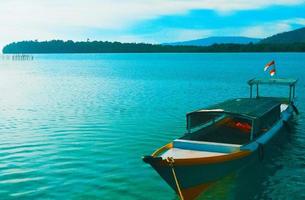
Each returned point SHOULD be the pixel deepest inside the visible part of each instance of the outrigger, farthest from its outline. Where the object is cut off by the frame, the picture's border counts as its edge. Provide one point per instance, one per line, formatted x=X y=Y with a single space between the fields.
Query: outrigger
x=222 y=138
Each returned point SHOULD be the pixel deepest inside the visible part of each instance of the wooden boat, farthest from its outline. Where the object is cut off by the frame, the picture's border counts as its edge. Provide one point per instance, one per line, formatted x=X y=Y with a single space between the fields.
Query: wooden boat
x=222 y=138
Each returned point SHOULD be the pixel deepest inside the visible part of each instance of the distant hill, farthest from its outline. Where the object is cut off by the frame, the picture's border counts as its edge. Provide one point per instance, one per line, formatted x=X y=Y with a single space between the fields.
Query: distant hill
x=216 y=40
x=292 y=41
x=295 y=36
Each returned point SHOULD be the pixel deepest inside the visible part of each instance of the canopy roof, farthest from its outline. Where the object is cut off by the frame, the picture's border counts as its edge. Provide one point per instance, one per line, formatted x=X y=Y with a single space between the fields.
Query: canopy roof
x=278 y=81
x=250 y=107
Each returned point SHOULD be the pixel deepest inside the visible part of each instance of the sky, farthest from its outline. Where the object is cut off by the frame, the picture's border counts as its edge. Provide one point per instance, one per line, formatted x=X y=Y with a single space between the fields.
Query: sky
x=149 y=21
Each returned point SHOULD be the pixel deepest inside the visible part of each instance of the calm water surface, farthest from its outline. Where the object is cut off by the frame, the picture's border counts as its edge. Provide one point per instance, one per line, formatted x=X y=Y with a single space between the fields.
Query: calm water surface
x=76 y=126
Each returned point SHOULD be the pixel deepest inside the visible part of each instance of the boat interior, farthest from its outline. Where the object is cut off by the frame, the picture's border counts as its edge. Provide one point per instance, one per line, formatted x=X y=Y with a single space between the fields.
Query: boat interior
x=227 y=129
x=215 y=132
x=220 y=135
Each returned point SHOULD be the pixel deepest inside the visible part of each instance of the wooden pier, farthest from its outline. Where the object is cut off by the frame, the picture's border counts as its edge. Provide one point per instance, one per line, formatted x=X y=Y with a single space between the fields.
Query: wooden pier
x=17 y=57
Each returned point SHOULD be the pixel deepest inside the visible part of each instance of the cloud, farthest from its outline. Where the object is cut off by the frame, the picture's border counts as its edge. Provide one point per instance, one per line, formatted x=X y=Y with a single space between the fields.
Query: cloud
x=270 y=28
x=256 y=31
x=114 y=14
x=266 y=30
x=297 y=21
x=36 y=19
x=176 y=34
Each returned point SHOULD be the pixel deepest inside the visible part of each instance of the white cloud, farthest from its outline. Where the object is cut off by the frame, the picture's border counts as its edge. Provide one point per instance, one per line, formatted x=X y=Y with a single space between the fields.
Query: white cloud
x=262 y=31
x=256 y=31
x=45 y=19
x=270 y=28
x=114 y=14
x=176 y=35
x=298 y=21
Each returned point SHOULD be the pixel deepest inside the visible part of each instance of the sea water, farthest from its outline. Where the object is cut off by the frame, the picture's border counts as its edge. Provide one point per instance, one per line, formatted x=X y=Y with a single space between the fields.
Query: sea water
x=75 y=126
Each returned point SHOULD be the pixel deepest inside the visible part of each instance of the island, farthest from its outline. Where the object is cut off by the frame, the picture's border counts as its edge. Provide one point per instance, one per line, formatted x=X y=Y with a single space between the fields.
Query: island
x=292 y=41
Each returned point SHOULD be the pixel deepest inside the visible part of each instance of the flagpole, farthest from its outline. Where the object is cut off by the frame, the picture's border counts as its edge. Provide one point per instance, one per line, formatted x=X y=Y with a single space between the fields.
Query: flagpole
x=275 y=69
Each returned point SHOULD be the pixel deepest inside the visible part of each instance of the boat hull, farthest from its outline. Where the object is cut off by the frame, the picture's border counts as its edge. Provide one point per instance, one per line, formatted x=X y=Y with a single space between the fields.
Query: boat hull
x=193 y=178
x=195 y=175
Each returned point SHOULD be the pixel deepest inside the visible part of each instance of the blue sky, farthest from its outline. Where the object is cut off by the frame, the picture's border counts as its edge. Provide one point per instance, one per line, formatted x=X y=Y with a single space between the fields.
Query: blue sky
x=151 y=21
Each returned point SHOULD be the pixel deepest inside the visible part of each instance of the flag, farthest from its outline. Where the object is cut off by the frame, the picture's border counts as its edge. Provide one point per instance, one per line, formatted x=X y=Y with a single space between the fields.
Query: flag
x=272 y=72
x=269 y=65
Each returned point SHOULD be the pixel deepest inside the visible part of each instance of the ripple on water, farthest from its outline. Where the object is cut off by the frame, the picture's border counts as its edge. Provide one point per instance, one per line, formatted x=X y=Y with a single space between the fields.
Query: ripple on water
x=76 y=129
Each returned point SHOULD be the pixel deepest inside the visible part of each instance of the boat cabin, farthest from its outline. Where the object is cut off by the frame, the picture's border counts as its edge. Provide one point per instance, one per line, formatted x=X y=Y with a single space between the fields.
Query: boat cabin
x=224 y=128
x=239 y=121
x=236 y=121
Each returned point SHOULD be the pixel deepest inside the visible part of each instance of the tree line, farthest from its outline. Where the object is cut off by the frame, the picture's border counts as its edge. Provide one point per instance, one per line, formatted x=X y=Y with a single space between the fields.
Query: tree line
x=60 y=46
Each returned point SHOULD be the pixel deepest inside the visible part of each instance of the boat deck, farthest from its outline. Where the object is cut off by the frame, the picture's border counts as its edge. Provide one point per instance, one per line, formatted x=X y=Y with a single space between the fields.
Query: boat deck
x=184 y=153
x=198 y=149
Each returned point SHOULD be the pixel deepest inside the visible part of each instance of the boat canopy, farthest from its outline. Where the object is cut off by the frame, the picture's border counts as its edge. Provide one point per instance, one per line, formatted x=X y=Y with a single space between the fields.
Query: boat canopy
x=274 y=81
x=248 y=107
x=278 y=81
x=259 y=113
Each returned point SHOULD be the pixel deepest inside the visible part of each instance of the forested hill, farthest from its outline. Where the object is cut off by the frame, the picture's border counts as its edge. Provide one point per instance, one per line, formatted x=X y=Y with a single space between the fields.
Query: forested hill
x=59 y=46
x=295 y=36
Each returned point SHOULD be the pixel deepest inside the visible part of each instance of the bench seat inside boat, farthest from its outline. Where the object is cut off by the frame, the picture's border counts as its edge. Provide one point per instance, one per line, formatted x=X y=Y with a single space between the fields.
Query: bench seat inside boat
x=193 y=149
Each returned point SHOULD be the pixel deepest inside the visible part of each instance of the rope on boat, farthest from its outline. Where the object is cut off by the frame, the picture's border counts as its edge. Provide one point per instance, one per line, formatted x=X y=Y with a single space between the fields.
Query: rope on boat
x=295 y=109
x=171 y=161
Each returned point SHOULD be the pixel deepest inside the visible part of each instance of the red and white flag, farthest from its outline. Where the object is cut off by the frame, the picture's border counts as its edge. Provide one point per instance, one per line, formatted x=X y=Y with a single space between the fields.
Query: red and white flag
x=269 y=65
x=272 y=72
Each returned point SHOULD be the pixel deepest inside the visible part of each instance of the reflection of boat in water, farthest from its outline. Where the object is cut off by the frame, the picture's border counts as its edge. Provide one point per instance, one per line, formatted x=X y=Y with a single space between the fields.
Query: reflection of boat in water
x=222 y=138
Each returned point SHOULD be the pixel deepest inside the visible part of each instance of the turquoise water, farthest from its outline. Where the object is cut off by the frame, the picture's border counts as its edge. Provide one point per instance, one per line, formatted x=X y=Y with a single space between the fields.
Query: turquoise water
x=76 y=126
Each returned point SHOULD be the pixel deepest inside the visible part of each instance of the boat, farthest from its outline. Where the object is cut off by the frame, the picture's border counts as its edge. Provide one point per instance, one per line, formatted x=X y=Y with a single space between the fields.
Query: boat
x=222 y=138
